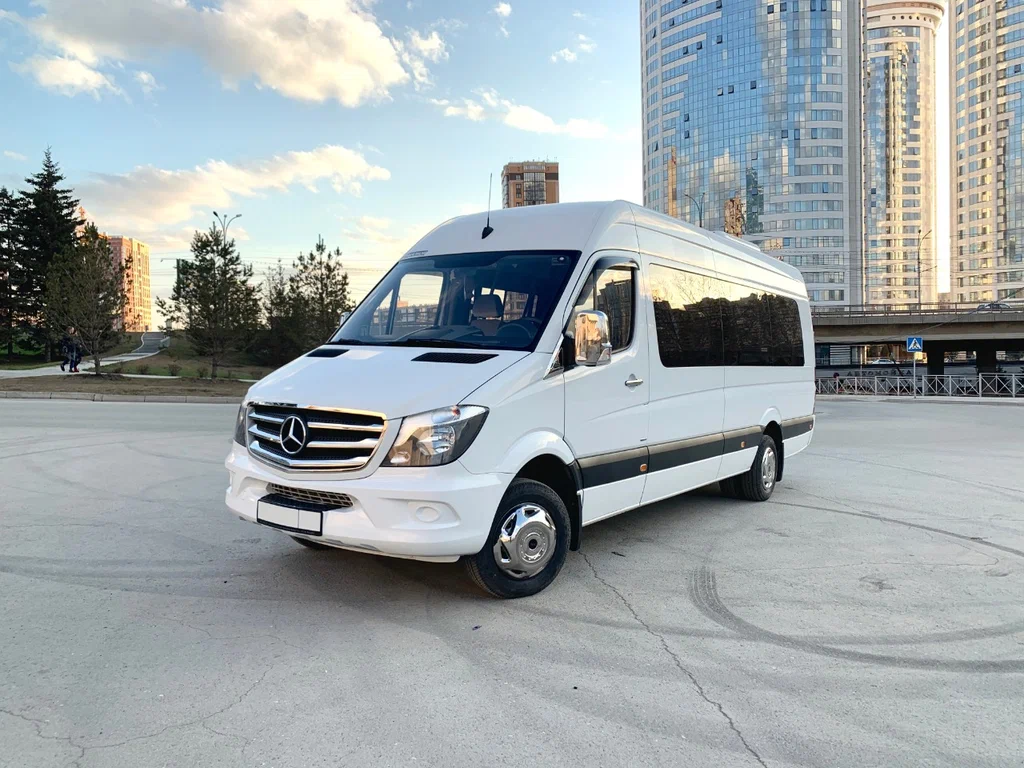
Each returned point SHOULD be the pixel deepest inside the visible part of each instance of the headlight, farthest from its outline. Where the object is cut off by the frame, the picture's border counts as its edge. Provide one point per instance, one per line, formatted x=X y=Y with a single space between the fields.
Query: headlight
x=240 y=436
x=436 y=438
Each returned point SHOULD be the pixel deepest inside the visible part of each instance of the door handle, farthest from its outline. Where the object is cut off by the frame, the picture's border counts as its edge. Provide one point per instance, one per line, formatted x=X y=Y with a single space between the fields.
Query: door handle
x=633 y=381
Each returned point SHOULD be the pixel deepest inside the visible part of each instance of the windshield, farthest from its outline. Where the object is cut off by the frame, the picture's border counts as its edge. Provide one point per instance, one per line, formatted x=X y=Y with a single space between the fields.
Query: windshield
x=489 y=300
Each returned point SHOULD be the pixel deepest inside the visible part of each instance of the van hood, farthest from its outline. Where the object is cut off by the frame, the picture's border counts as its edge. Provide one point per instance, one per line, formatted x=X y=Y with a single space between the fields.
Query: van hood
x=387 y=380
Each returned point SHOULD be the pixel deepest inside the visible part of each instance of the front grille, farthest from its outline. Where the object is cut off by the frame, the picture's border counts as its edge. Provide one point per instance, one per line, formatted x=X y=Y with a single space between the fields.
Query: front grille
x=323 y=498
x=335 y=440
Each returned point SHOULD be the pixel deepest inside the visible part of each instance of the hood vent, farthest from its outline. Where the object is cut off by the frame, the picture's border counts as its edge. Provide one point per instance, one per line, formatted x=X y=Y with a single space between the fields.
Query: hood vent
x=453 y=357
x=327 y=352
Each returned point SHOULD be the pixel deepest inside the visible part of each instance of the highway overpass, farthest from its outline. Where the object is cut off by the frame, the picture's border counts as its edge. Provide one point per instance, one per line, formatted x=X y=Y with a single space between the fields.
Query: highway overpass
x=944 y=328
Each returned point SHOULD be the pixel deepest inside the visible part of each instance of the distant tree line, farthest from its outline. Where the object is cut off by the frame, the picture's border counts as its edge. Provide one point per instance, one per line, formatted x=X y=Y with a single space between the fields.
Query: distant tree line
x=57 y=272
x=224 y=311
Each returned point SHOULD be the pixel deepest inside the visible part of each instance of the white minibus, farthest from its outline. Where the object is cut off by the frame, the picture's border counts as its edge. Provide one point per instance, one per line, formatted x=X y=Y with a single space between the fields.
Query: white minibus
x=522 y=374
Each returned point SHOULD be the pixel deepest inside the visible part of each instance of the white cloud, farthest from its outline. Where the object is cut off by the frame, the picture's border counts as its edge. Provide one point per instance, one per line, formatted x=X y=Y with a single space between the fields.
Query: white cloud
x=583 y=45
x=580 y=16
x=432 y=47
x=502 y=11
x=151 y=200
x=311 y=50
x=490 y=106
x=14 y=155
x=374 y=229
x=67 y=76
x=147 y=82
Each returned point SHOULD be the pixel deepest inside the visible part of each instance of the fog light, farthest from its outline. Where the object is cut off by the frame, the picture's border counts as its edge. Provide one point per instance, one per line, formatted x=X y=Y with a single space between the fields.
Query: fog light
x=427 y=515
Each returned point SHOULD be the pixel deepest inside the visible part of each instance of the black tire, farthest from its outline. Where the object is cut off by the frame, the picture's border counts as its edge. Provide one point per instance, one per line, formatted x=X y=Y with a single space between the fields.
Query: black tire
x=309 y=544
x=729 y=488
x=753 y=485
x=483 y=567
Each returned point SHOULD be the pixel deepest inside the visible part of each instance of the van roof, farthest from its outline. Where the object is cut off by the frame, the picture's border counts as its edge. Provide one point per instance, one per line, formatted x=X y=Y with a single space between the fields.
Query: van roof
x=580 y=227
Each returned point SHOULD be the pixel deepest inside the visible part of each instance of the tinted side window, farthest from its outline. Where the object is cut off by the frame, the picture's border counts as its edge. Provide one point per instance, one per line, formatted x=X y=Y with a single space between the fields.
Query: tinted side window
x=687 y=316
x=787 y=334
x=704 y=321
x=747 y=327
x=615 y=297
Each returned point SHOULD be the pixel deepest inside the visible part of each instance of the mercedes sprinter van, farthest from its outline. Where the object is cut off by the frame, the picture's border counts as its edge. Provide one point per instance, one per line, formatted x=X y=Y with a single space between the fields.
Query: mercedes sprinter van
x=517 y=377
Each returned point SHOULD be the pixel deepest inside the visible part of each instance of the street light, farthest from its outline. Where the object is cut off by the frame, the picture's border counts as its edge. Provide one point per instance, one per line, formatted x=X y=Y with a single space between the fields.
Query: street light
x=700 y=207
x=920 y=285
x=225 y=222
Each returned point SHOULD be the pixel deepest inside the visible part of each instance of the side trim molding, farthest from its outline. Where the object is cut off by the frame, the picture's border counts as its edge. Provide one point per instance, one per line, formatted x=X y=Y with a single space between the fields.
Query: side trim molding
x=797 y=427
x=622 y=465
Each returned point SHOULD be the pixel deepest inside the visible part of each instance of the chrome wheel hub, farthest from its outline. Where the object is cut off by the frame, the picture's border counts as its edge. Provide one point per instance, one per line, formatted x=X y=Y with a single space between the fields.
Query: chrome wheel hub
x=526 y=541
x=768 y=469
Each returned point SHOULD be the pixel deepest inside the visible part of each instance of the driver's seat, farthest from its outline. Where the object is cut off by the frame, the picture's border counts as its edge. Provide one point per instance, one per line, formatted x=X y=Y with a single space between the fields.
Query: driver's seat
x=487 y=312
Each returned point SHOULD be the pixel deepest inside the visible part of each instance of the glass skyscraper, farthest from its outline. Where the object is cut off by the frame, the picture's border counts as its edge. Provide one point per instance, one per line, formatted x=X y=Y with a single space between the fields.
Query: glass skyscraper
x=752 y=124
x=900 y=265
x=987 y=201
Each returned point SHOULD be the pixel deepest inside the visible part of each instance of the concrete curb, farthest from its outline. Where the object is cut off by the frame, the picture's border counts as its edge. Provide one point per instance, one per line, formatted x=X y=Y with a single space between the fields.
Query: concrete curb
x=1004 y=401
x=101 y=398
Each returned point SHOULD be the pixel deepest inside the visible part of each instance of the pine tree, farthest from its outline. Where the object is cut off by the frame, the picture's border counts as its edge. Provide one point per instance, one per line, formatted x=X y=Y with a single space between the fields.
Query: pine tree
x=321 y=291
x=13 y=312
x=284 y=339
x=213 y=298
x=85 y=291
x=48 y=220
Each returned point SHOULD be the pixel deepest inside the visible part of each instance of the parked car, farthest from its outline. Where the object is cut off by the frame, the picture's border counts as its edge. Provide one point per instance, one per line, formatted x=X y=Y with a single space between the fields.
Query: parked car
x=514 y=379
x=994 y=306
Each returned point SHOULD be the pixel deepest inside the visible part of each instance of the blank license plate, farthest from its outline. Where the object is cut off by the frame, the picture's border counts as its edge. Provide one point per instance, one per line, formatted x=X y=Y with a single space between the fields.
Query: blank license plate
x=301 y=520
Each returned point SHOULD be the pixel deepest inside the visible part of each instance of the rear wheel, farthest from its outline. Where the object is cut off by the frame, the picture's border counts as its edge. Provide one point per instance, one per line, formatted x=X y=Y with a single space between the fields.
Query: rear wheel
x=758 y=482
x=527 y=545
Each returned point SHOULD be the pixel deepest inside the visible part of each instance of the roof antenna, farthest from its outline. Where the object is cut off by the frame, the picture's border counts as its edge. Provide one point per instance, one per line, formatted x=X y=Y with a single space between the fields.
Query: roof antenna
x=488 y=228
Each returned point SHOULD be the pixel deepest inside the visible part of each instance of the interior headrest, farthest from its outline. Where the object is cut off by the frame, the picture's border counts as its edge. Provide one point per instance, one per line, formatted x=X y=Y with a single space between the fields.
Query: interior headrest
x=488 y=307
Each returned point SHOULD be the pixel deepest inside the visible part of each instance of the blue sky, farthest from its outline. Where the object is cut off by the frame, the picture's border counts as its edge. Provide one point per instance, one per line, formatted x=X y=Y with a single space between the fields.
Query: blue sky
x=364 y=122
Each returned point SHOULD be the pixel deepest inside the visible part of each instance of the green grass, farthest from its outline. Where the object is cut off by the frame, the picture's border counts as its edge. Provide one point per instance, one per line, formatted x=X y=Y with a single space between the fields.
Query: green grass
x=24 y=360
x=171 y=362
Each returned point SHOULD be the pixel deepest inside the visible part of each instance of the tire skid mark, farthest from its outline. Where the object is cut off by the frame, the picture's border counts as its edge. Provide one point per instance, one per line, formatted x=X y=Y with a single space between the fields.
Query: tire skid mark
x=703 y=590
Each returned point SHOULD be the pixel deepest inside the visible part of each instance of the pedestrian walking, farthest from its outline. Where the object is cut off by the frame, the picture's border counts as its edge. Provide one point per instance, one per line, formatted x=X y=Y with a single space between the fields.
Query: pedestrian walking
x=66 y=346
x=75 y=352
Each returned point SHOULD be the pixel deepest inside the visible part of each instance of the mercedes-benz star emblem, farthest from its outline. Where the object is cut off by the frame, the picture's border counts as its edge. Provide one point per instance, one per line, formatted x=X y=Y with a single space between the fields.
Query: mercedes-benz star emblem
x=293 y=435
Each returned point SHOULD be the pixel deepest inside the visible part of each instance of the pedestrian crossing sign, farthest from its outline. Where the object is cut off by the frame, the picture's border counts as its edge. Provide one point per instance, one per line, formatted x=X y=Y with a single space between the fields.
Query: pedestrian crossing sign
x=915 y=344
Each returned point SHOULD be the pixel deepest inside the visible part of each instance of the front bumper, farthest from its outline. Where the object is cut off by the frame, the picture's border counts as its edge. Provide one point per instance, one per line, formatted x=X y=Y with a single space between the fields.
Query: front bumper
x=430 y=513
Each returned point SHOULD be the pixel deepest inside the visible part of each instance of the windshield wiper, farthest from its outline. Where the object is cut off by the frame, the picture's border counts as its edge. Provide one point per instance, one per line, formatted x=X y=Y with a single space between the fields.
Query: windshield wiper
x=438 y=343
x=347 y=343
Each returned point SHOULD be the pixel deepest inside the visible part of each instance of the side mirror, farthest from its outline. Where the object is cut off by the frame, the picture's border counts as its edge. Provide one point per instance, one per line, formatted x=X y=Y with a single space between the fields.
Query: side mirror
x=593 y=346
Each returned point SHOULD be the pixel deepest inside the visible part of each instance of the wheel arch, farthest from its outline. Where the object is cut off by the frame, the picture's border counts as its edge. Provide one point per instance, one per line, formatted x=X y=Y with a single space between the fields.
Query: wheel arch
x=565 y=480
x=774 y=430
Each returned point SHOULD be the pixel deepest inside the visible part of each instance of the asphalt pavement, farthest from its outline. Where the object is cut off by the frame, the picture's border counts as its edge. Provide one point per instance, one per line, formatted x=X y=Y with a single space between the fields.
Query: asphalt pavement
x=870 y=614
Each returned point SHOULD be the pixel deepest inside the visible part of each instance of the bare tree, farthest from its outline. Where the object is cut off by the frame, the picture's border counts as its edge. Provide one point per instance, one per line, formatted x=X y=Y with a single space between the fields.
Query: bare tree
x=86 y=290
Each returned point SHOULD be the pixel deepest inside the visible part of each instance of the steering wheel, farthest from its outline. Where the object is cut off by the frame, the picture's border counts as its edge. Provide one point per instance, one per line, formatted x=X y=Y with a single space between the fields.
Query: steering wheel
x=518 y=329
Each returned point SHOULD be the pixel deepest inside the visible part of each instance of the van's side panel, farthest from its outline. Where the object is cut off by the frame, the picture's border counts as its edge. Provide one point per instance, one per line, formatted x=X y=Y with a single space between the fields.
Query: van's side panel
x=686 y=403
x=796 y=427
x=757 y=395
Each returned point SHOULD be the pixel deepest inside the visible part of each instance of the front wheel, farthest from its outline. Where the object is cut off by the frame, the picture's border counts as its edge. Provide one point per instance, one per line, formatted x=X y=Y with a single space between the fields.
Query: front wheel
x=758 y=482
x=527 y=544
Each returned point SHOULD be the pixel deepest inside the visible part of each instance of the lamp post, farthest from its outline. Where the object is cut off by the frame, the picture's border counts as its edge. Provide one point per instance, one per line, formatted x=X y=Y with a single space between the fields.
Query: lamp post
x=225 y=222
x=920 y=284
x=700 y=207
